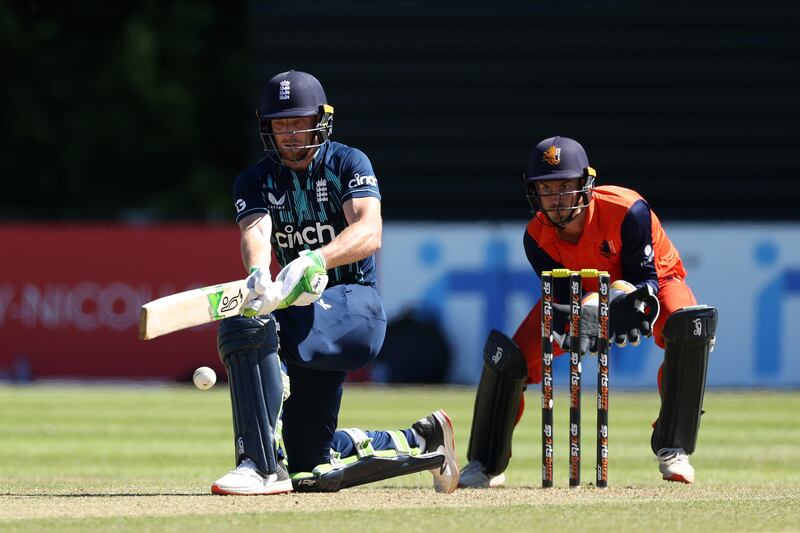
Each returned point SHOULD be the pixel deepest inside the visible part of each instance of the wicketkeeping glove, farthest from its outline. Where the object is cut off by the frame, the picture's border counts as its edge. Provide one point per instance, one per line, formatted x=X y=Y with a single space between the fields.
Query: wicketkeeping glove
x=589 y=325
x=303 y=280
x=263 y=294
x=633 y=312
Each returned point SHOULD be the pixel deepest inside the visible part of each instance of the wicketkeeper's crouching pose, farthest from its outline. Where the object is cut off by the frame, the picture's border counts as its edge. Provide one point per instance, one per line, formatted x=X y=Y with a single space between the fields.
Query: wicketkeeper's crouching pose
x=317 y=202
x=577 y=225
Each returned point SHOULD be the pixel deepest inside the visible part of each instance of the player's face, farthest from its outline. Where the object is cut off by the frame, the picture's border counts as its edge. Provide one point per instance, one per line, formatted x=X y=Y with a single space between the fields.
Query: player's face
x=291 y=138
x=559 y=196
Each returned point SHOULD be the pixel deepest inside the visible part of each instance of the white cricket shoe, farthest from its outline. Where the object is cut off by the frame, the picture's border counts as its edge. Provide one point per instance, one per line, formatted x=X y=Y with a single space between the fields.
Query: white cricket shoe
x=674 y=465
x=244 y=480
x=437 y=429
x=474 y=476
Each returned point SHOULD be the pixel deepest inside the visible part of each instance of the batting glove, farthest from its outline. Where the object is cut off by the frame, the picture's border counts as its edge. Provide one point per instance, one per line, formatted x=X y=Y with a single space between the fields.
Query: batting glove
x=264 y=294
x=303 y=280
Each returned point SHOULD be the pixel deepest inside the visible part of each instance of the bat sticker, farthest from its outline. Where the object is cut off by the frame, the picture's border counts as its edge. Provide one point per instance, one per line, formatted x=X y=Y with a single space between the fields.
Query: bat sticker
x=220 y=304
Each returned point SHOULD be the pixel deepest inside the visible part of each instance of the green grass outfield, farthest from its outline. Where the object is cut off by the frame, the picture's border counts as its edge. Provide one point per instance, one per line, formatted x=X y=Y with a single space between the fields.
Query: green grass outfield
x=142 y=458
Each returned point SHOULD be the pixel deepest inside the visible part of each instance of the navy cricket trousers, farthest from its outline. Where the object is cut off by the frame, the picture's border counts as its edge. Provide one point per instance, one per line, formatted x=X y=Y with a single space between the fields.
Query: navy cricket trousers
x=319 y=343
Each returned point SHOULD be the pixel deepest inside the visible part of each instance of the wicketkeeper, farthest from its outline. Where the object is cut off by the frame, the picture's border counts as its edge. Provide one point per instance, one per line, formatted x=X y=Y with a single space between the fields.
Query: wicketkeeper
x=316 y=203
x=577 y=225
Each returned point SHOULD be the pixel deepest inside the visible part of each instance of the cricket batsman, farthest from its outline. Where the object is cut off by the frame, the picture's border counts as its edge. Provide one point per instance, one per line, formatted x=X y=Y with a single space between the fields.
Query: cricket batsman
x=577 y=225
x=316 y=203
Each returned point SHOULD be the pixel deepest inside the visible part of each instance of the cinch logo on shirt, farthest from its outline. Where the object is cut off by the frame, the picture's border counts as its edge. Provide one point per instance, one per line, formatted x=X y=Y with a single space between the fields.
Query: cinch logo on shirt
x=317 y=234
x=359 y=180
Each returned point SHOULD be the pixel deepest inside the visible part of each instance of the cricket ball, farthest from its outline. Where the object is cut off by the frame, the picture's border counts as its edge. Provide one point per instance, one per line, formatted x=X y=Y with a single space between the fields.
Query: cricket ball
x=204 y=378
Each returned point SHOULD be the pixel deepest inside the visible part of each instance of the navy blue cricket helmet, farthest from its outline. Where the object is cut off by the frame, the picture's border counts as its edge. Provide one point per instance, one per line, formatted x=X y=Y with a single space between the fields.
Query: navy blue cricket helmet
x=294 y=94
x=559 y=158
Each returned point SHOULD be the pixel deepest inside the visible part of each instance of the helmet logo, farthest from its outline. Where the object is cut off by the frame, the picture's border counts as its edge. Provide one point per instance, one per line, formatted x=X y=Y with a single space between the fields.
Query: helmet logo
x=285 y=90
x=552 y=156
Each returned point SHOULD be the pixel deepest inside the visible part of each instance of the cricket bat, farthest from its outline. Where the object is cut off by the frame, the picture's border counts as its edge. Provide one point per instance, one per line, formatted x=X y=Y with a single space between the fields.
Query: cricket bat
x=191 y=308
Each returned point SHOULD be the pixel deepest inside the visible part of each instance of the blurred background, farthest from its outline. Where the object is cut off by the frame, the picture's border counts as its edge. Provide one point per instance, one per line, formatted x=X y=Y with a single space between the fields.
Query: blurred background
x=123 y=127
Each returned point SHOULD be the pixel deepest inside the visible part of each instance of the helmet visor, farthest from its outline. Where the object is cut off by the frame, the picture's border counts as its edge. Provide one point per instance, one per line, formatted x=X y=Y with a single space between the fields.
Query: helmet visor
x=560 y=203
x=294 y=145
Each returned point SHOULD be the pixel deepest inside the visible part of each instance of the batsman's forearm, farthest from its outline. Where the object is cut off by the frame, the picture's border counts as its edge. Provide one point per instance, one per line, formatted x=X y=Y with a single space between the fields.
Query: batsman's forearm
x=356 y=242
x=256 y=250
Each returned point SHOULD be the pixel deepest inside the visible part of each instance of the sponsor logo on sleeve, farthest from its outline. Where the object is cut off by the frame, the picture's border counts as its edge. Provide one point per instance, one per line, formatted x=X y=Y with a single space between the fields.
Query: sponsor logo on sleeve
x=649 y=255
x=359 y=181
x=240 y=205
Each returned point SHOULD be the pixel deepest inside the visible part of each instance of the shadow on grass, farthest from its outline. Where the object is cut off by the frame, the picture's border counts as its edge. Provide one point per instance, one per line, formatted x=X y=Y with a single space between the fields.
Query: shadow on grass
x=102 y=494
